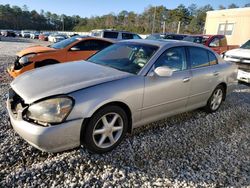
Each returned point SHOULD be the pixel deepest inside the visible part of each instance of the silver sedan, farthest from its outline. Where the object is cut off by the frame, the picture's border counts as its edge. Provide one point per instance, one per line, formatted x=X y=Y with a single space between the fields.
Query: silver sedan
x=124 y=86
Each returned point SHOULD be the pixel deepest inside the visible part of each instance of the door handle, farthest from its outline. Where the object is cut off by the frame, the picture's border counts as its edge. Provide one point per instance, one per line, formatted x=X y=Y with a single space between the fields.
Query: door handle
x=186 y=79
x=216 y=73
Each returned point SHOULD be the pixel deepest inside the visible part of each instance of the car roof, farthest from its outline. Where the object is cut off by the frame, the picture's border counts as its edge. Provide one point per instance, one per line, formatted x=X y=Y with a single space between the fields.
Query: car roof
x=166 y=43
x=168 y=34
x=207 y=36
x=159 y=43
x=111 y=30
x=85 y=37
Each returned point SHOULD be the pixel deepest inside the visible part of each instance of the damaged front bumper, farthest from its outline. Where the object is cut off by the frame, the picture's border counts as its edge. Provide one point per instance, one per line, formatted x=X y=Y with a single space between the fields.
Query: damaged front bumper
x=54 y=138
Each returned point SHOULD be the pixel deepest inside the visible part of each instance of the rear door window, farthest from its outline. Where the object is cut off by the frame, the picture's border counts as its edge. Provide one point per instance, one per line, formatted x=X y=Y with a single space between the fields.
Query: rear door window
x=178 y=37
x=212 y=58
x=110 y=34
x=127 y=36
x=92 y=45
x=198 y=57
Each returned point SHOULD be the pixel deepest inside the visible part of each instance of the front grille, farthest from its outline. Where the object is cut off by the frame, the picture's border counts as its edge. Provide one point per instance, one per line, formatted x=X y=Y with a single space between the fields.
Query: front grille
x=16 y=102
x=19 y=108
x=239 y=58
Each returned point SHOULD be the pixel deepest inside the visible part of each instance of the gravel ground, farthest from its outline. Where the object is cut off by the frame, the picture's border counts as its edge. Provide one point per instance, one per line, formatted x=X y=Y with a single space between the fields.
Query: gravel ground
x=193 y=149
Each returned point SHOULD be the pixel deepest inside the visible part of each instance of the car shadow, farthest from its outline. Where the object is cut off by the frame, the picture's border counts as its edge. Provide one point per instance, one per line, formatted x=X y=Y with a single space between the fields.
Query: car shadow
x=244 y=83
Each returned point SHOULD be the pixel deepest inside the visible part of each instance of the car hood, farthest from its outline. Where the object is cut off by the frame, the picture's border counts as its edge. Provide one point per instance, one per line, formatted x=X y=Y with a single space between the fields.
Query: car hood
x=239 y=52
x=35 y=49
x=62 y=79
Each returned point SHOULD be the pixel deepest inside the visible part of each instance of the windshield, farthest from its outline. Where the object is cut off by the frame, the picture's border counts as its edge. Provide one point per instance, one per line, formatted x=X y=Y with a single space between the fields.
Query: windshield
x=196 y=39
x=62 y=44
x=246 y=45
x=127 y=57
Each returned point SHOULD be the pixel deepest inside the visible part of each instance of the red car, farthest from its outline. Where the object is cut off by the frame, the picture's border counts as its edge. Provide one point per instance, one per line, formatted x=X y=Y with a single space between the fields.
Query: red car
x=217 y=43
x=44 y=36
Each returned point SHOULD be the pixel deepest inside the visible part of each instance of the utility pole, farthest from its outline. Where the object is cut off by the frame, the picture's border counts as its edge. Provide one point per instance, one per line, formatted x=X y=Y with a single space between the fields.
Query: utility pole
x=178 y=29
x=62 y=23
x=153 y=28
x=164 y=27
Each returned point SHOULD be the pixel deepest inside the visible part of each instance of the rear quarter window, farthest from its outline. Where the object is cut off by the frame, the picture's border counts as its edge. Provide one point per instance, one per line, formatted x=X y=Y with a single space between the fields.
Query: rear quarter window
x=135 y=36
x=127 y=36
x=212 y=58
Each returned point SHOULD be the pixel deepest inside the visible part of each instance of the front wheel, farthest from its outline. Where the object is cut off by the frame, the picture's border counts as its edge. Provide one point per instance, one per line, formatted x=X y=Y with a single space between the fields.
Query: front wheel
x=106 y=129
x=216 y=99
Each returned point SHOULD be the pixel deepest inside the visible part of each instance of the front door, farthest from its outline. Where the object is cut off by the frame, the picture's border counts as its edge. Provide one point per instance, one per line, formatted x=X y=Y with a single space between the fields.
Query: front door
x=164 y=96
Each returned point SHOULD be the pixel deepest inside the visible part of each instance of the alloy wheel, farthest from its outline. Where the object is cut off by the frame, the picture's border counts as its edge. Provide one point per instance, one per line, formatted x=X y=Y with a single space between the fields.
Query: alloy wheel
x=216 y=99
x=108 y=130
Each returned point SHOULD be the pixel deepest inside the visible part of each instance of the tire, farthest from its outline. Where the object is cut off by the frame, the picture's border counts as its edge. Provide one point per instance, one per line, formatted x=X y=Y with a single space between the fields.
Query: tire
x=216 y=99
x=99 y=136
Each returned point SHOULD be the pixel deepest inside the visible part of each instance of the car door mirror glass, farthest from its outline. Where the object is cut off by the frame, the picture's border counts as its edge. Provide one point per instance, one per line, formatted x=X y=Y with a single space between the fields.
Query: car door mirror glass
x=74 y=48
x=163 y=71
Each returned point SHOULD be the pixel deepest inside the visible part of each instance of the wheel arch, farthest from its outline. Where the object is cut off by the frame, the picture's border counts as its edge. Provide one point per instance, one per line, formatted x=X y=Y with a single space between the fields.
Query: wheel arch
x=122 y=105
x=224 y=85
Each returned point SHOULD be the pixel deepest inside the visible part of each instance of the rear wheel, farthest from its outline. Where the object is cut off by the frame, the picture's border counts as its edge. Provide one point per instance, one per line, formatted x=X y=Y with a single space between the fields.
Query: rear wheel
x=106 y=129
x=216 y=99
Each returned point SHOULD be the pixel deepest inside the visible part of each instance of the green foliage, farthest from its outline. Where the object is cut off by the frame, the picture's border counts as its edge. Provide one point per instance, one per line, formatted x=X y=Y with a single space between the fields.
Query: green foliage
x=233 y=6
x=198 y=21
x=192 y=20
x=21 y=18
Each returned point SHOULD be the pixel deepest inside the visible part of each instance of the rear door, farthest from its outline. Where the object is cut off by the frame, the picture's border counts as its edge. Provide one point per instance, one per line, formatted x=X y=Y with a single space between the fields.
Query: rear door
x=204 y=69
x=84 y=49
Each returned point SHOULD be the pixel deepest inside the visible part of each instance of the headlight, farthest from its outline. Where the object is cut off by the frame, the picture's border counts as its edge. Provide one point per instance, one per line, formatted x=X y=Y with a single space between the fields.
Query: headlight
x=53 y=110
x=25 y=59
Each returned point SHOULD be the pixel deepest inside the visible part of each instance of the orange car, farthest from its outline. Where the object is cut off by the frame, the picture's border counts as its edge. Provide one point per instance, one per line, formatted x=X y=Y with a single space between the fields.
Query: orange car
x=72 y=49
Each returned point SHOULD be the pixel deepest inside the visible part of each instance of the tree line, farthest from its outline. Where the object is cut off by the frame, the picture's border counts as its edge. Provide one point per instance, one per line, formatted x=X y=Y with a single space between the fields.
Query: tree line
x=152 y=19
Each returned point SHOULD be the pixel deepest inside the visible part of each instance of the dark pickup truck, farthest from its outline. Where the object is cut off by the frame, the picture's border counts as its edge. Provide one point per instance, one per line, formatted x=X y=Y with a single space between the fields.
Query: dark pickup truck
x=217 y=43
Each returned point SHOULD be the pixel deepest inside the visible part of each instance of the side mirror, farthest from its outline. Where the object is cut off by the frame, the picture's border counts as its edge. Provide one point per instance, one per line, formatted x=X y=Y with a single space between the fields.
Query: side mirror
x=163 y=71
x=74 y=49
